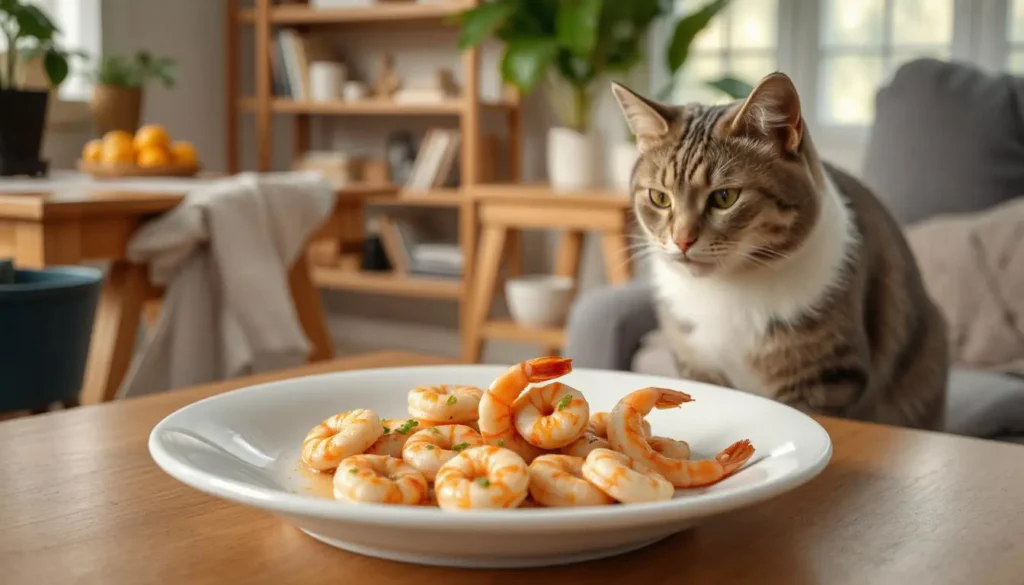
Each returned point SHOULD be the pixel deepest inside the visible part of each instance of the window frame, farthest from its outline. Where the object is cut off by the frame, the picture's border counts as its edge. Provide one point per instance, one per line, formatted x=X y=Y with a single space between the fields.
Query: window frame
x=980 y=36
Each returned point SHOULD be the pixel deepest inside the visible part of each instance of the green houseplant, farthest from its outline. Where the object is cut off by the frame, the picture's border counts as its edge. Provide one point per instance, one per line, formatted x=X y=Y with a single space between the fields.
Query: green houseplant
x=568 y=47
x=29 y=34
x=118 y=84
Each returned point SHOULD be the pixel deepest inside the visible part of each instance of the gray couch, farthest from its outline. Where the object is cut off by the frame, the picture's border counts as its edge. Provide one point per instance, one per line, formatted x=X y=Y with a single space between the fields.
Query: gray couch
x=947 y=138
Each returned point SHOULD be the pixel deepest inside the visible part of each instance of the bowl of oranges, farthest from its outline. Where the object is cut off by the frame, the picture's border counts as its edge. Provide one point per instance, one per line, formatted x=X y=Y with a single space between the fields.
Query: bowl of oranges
x=149 y=153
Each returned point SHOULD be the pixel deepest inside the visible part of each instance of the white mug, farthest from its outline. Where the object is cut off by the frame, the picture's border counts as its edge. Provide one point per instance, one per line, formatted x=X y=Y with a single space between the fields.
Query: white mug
x=354 y=91
x=326 y=79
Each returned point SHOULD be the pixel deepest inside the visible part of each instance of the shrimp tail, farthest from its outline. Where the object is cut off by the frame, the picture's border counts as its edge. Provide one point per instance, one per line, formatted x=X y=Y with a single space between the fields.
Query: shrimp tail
x=670 y=398
x=734 y=456
x=546 y=368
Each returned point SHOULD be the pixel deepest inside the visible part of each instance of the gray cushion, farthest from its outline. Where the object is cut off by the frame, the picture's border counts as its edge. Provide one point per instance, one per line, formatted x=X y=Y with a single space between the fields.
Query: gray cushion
x=947 y=137
x=984 y=404
x=606 y=325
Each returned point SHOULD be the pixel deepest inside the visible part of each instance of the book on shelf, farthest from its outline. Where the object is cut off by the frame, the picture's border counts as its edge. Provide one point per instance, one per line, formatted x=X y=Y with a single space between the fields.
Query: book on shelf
x=435 y=160
x=290 y=59
x=409 y=252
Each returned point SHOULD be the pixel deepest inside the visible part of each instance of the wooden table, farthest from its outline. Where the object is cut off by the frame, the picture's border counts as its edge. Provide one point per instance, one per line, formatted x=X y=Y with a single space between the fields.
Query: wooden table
x=503 y=212
x=75 y=223
x=81 y=502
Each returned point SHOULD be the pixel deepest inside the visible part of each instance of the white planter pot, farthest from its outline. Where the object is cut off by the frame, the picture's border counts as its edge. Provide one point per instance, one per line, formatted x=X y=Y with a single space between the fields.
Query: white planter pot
x=624 y=156
x=573 y=159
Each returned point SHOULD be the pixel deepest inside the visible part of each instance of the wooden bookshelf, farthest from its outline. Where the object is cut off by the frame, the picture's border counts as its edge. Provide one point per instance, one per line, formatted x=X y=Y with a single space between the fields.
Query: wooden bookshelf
x=259 y=107
x=384 y=12
x=371 y=107
x=388 y=283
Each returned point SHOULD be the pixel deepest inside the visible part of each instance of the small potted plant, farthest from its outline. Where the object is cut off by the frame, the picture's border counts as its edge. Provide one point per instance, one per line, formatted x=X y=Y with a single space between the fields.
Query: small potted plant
x=569 y=47
x=117 y=90
x=29 y=33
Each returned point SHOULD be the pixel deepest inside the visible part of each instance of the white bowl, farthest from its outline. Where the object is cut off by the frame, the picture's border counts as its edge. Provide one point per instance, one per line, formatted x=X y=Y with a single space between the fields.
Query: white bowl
x=243 y=446
x=539 y=300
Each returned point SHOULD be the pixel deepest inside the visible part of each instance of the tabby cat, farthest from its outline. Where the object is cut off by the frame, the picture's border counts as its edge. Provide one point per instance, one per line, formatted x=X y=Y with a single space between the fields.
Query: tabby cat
x=776 y=273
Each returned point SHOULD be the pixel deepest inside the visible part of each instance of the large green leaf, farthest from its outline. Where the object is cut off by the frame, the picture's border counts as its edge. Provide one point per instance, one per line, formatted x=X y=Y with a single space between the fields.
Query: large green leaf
x=481 y=22
x=33 y=23
x=732 y=87
x=687 y=30
x=526 y=60
x=56 y=66
x=577 y=25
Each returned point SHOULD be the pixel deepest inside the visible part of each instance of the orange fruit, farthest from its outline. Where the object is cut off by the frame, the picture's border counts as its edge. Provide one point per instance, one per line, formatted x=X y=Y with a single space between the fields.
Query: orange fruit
x=184 y=154
x=153 y=156
x=152 y=135
x=117 y=150
x=93 y=151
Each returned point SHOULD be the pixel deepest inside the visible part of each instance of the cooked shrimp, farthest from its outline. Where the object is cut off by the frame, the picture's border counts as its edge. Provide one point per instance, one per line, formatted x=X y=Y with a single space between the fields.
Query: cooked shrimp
x=625 y=433
x=599 y=420
x=621 y=478
x=396 y=432
x=496 y=415
x=482 y=477
x=551 y=416
x=557 y=480
x=448 y=403
x=595 y=436
x=336 y=438
x=670 y=448
x=429 y=449
x=378 y=479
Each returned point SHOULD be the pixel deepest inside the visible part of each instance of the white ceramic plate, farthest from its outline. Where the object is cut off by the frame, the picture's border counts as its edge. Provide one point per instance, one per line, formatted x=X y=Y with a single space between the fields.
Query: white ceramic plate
x=243 y=446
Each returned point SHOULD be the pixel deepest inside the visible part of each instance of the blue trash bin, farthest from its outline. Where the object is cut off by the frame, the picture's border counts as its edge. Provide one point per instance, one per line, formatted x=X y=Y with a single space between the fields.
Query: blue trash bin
x=46 y=319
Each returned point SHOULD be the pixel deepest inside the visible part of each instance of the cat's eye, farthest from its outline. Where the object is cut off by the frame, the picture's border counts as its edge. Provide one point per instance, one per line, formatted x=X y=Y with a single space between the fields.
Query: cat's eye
x=723 y=198
x=659 y=199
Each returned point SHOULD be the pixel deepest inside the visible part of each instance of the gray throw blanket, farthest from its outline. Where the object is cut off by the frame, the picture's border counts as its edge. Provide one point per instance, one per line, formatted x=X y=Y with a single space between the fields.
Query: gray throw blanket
x=973 y=266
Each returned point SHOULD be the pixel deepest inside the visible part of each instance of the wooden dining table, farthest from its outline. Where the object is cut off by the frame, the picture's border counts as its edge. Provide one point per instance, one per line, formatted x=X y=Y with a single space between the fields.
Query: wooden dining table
x=71 y=219
x=82 y=502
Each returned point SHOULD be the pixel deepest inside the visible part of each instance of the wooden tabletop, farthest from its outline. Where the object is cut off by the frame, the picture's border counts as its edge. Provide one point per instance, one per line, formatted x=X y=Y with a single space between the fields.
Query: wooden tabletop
x=82 y=502
x=40 y=199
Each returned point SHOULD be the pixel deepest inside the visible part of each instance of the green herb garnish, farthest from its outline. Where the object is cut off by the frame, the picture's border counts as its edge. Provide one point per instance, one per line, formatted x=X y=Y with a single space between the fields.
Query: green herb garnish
x=386 y=429
x=353 y=470
x=501 y=443
x=435 y=430
x=564 y=402
x=460 y=447
x=408 y=426
x=483 y=482
x=430 y=447
x=451 y=400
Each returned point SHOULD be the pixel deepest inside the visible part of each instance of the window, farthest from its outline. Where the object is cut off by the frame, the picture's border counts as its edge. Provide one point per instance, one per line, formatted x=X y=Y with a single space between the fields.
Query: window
x=79 y=25
x=1015 y=35
x=839 y=52
x=741 y=42
x=862 y=44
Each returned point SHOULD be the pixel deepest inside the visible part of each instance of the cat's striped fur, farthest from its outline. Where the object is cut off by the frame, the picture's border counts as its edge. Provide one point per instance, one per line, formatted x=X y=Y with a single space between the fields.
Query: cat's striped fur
x=804 y=289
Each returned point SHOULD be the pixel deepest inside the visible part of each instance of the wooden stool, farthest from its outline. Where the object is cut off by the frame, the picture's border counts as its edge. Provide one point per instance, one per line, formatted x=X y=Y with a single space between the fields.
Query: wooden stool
x=504 y=210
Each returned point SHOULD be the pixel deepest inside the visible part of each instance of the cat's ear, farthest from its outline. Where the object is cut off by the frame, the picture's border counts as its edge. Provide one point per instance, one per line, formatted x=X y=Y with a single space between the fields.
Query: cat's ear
x=648 y=120
x=771 y=111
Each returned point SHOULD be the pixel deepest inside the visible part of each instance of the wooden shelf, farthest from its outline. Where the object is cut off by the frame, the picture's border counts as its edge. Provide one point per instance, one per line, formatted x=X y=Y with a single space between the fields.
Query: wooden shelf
x=431 y=198
x=380 y=12
x=387 y=283
x=511 y=331
x=365 y=107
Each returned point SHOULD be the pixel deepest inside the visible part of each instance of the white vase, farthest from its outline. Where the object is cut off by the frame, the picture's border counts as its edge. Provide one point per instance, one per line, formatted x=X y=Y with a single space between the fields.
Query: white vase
x=573 y=159
x=624 y=155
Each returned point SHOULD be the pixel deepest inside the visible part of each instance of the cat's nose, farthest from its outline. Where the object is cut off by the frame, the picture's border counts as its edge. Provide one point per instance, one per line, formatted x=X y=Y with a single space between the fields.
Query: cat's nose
x=685 y=243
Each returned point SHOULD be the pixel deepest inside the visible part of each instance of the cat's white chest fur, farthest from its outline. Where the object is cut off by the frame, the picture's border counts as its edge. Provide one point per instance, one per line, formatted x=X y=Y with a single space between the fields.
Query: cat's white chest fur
x=730 y=314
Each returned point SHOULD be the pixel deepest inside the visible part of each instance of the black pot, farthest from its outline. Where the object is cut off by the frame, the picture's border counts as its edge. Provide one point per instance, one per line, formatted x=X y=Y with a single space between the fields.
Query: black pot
x=22 y=121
